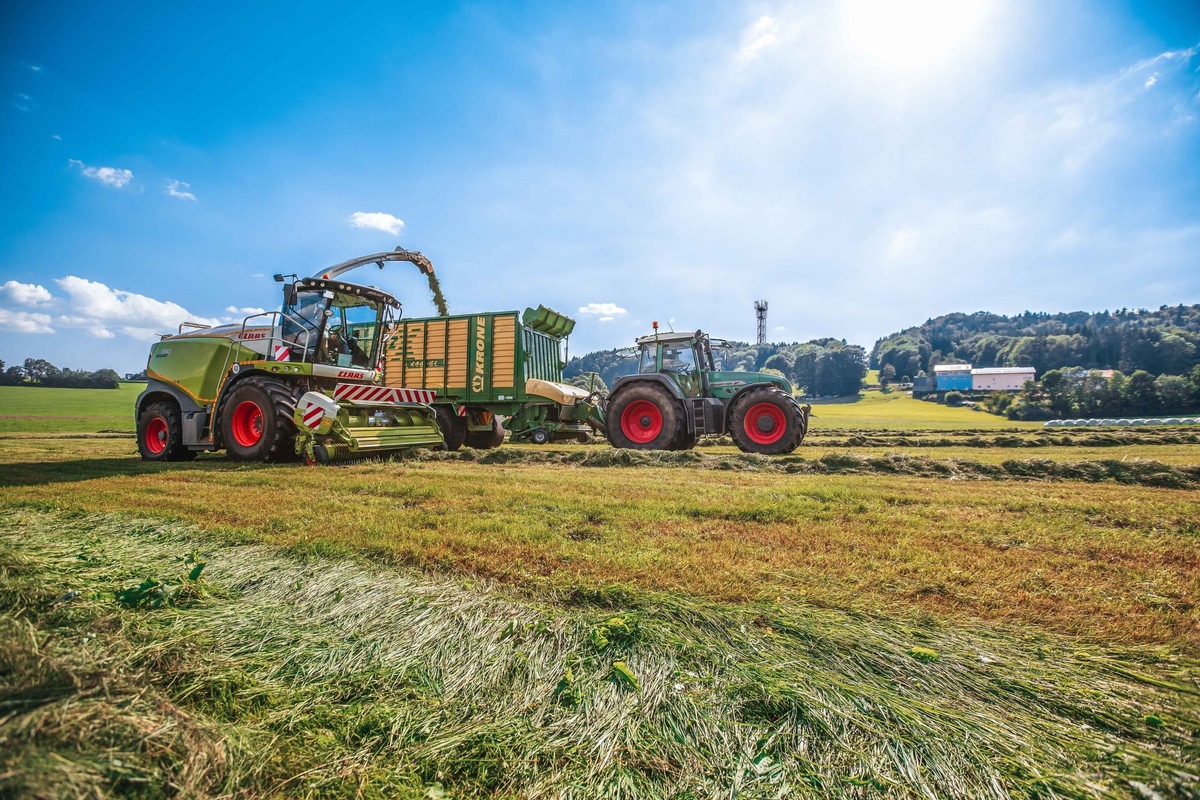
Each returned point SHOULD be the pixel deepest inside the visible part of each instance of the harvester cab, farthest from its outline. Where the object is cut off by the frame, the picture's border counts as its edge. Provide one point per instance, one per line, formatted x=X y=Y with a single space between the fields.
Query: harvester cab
x=682 y=390
x=304 y=380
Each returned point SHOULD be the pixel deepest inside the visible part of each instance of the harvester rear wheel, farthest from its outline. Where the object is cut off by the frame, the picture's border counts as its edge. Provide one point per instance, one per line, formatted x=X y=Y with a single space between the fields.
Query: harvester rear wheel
x=644 y=417
x=486 y=440
x=454 y=428
x=160 y=434
x=766 y=421
x=256 y=420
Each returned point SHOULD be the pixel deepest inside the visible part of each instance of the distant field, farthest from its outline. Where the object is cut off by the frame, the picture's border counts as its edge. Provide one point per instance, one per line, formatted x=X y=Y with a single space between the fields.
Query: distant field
x=34 y=409
x=899 y=411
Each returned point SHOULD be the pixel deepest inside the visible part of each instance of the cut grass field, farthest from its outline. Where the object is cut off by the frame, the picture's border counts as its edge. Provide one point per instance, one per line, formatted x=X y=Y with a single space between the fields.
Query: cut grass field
x=583 y=622
x=32 y=408
x=899 y=411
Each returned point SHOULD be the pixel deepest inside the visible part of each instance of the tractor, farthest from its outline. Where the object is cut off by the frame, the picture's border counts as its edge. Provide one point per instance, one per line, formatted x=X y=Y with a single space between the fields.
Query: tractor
x=303 y=381
x=680 y=392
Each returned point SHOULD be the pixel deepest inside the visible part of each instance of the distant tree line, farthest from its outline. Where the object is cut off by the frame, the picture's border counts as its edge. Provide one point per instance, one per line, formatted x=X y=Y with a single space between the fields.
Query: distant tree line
x=827 y=367
x=1162 y=342
x=1076 y=392
x=40 y=372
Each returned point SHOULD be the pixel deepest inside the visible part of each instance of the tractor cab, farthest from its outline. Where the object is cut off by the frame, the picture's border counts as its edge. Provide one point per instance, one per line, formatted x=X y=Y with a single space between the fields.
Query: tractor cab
x=336 y=323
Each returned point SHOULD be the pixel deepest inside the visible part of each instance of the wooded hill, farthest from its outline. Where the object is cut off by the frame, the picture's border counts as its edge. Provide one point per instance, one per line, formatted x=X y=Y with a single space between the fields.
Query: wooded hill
x=1166 y=341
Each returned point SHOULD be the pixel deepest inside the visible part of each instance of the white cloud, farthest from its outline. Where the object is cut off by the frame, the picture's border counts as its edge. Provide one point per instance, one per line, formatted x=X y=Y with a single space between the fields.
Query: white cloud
x=23 y=102
x=26 y=294
x=179 y=189
x=759 y=36
x=25 y=322
x=377 y=220
x=1153 y=79
x=35 y=67
x=110 y=176
x=903 y=245
x=56 y=137
x=96 y=308
x=604 y=312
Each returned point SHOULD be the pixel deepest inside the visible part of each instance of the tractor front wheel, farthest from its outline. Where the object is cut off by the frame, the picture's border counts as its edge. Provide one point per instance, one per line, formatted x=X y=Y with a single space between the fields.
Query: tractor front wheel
x=160 y=434
x=256 y=420
x=644 y=417
x=454 y=428
x=766 y=421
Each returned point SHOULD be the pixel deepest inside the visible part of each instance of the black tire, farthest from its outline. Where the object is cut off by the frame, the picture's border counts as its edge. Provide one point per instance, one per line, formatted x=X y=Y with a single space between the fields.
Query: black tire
x=486 y=440
x=454 y=428
x=539 y=436
x=256 y=420
x=766 y=421
x=644 y=416
x=582 y=438
x=160 y=433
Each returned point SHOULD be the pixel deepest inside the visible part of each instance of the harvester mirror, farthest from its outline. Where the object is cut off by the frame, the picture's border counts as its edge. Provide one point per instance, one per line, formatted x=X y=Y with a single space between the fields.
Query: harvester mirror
x=279 y=277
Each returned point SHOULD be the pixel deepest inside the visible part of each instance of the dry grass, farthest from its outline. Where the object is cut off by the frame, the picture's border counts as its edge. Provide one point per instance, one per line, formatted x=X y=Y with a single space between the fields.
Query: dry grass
x=1108 y=562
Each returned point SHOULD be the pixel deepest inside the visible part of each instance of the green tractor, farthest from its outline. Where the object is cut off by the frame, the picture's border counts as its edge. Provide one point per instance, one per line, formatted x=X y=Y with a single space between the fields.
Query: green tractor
x=680 y=392
x=299 y=382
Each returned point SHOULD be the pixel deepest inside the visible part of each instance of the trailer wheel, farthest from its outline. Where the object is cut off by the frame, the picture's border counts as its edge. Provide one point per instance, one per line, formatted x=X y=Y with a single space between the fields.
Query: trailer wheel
x=644 y=417
x=160 y=434
x=256 y=420
x=486 y=440
x=539 y=436
x=766 y=421
x=454 y=428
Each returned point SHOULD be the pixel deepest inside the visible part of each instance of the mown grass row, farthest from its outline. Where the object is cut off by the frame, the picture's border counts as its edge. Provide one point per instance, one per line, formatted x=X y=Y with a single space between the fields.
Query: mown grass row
x=281 y=673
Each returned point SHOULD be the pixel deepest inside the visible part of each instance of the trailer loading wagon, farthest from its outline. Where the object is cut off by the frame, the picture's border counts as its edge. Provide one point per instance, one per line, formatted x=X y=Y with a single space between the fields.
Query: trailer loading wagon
x=491 y=365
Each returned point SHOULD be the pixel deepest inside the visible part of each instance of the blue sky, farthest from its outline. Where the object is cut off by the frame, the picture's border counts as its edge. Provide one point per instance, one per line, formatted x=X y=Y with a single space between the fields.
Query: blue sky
x=860 y=166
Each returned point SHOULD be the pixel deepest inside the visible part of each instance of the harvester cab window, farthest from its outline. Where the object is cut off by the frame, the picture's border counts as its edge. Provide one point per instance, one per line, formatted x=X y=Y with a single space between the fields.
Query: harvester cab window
x=351 y=333
x=302 y=321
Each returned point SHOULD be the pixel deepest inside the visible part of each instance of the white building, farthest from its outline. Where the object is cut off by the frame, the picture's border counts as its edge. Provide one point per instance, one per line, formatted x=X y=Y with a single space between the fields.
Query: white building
x=1000 y=379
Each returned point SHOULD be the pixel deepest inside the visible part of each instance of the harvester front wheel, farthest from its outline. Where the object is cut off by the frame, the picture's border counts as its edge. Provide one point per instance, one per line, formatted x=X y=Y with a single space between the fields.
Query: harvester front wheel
x=160 y=434
x=454 y=428
x=486 y=440
x=766 y=421
x=256 y=421
x=644 y=417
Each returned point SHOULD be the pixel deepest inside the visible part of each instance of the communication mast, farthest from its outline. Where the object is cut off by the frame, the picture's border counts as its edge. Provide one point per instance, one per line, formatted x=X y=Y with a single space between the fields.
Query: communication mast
x=760 y=310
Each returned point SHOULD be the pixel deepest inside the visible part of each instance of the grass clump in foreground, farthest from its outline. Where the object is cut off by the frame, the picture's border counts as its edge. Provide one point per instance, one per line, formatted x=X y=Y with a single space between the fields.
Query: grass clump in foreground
x=290 y=675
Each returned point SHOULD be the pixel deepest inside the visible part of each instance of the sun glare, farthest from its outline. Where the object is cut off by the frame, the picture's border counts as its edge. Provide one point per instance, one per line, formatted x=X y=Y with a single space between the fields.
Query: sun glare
x=914 y=34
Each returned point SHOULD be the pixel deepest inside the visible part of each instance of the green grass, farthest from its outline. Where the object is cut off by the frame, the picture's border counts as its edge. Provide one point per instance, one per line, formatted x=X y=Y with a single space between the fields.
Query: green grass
x=899 y=411
x=277 y=674
x=35 y=409
x=922 y=602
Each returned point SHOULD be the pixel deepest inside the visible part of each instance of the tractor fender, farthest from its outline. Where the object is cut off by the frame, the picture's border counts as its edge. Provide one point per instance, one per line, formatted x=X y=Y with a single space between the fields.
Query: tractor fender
x=651 y=377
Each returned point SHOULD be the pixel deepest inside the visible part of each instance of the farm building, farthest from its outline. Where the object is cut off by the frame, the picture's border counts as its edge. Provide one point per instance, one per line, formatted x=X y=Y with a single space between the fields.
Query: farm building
x=1000 y=379
x=953 y=377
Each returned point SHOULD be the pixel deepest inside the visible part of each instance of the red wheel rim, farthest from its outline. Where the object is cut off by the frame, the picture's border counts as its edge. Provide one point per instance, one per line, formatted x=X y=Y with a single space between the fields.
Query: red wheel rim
x=247 y=423
x=764 y=423
x=641 y=422
x=156 y=435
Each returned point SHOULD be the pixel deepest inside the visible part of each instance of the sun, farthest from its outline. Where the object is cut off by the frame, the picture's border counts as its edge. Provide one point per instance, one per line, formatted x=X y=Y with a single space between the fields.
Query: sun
x=915 y=34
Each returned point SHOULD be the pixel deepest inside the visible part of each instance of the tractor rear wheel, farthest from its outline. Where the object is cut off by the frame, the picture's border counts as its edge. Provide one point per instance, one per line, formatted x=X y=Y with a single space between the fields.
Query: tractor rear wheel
x=486 y=440
x=256 y=420
x=160 y=434
x=766 y=421
x=454 y=428
x=644 y=417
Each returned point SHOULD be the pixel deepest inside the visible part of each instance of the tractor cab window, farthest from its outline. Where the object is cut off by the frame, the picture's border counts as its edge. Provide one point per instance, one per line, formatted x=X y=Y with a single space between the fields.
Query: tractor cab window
x=350 y=336
x=679 y=358
x=649 y=360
